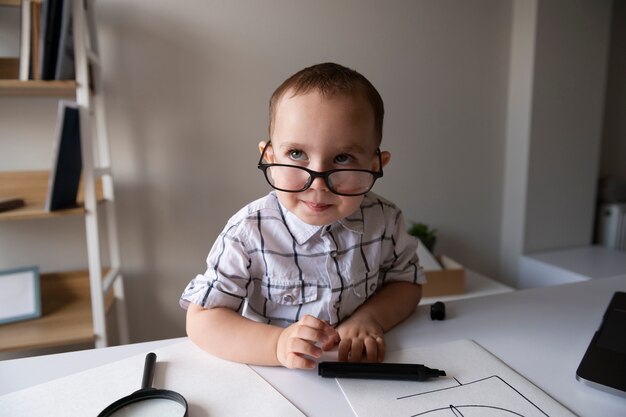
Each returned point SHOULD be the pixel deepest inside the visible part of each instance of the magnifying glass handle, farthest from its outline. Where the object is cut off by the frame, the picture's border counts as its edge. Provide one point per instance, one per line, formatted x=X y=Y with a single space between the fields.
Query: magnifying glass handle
x=148 y=370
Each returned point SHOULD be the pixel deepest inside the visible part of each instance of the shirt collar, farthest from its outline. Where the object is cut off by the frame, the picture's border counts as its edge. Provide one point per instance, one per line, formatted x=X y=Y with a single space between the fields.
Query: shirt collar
x=353 y=223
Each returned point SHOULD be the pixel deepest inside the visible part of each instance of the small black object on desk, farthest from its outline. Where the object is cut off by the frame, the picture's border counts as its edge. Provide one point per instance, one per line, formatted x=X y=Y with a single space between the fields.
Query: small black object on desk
x=438 y=311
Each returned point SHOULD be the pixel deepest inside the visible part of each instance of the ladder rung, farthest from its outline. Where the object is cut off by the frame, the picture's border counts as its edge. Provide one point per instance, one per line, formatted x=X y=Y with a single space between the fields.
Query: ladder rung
x=110 y=278
x=93 y=58
x=101 y=172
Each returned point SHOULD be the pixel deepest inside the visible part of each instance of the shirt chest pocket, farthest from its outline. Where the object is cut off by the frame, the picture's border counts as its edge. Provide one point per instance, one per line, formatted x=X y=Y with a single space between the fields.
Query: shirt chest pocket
x=289 y=292
x=364 y=283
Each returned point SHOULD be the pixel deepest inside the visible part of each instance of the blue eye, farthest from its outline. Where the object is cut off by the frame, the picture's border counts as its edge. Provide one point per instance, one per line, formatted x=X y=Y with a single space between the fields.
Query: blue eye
x=343 y=159
x=296 y=155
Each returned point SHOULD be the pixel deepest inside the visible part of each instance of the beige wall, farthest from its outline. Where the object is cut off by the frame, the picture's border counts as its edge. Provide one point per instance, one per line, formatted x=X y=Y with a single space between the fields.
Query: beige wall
x=9 y=31
x=188 y=92
x=612 y=162
x=187 y=85
x=567 y=110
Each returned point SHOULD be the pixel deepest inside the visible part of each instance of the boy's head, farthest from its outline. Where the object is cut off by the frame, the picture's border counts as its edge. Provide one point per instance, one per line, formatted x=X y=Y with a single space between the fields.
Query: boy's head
x=324 y=118
x=331 y=79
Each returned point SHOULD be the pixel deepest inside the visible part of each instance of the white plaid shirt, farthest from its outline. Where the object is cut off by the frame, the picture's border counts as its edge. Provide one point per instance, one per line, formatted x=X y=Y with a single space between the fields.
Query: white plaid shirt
x=271 y=267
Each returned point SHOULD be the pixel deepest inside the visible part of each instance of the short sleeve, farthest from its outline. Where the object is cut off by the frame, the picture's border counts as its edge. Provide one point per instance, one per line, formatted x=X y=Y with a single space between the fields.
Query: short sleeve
x=404 y=263
x=226 y=281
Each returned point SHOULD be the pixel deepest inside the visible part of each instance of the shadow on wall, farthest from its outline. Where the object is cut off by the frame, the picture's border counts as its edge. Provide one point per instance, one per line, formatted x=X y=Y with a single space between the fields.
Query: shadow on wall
x=168 y=158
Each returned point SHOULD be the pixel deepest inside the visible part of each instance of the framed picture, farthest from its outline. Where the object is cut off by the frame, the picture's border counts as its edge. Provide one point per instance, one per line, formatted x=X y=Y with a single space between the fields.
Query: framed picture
x=20 y=294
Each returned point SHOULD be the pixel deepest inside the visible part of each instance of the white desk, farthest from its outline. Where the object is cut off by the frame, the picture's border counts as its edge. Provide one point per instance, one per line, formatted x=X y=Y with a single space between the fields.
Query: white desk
x=563 y=266
x=542 y=333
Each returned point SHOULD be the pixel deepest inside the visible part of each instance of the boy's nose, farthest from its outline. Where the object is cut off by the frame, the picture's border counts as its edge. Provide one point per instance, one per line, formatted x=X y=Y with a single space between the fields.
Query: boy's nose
x=319 y=184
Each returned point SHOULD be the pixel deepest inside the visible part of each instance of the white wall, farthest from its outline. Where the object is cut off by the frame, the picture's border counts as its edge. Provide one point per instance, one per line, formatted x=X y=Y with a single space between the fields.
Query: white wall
x=613 y=160
x=567 y=109
x=187 y=86
x=559 y=54
x=517 y=138
x=9 y=31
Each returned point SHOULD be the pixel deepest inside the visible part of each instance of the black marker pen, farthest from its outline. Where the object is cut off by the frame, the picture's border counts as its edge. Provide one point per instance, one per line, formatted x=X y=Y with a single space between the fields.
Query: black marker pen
x=390 y=371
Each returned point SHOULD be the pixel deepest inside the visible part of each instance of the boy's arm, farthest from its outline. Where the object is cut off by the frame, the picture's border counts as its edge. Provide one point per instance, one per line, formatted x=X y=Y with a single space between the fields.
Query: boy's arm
x=361 y=335
x=226 y=334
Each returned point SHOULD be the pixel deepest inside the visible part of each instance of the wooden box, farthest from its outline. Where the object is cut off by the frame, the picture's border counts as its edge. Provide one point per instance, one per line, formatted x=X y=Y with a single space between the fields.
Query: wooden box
x=447 y=281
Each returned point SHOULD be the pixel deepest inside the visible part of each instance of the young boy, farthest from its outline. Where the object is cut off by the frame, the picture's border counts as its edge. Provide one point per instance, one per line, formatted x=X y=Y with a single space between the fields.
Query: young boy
x=320 y=261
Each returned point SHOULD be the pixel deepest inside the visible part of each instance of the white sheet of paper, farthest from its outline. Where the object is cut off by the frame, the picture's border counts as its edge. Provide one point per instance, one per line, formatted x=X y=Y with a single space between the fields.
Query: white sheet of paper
x=211 y=386
x=477 y=384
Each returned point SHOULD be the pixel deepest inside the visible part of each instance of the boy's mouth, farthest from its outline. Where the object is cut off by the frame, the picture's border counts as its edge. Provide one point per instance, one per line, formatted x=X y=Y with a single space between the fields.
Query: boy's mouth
x=316 y=206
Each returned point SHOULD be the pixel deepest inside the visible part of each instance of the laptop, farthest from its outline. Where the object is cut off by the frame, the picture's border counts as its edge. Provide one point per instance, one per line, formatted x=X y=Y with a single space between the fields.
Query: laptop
x=604 y=363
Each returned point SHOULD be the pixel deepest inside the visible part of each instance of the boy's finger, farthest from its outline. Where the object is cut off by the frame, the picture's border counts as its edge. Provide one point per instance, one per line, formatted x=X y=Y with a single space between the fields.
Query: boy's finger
x=329 y=332
x=295 y=361
x=302 y=347
x=331 y=341
x=316 y=323
x=356 y=352
x=380 y=341
x=371 y=349
x=345 y=345
x=310 y=334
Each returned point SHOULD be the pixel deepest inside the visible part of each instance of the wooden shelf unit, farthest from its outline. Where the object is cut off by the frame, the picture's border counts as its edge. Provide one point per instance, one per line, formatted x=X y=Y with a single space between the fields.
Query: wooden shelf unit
x=74 y=304
x=66 y=315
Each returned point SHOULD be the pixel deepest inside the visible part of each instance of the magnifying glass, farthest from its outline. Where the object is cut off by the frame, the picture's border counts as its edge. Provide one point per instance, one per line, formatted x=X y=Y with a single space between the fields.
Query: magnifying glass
x=148 y=401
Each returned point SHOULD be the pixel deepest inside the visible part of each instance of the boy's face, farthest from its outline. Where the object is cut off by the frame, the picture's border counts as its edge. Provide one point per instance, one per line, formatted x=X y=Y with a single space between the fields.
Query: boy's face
x=323 y=133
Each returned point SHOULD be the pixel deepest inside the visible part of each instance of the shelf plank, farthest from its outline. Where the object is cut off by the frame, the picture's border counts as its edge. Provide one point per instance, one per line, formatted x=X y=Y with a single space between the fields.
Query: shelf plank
x=12 y=3
x=66 y=315
x=32 y=186
x=38 y=88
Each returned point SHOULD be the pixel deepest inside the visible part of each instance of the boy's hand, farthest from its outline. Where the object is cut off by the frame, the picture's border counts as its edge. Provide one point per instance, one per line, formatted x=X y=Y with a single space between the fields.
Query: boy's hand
x=361 y=339
x=300 y=340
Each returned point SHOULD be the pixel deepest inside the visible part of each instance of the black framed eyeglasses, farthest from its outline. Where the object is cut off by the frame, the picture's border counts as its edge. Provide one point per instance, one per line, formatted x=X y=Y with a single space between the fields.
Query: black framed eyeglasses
x=295 y=179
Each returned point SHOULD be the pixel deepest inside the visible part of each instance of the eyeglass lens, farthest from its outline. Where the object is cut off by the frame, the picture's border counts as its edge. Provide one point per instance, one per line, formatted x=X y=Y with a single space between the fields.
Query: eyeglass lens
x=290 y=178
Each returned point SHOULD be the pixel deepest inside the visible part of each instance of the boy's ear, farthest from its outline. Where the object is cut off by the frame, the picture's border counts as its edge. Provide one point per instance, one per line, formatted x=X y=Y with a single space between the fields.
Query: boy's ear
x=269 y=152
x=385 y=156
x=262 y=146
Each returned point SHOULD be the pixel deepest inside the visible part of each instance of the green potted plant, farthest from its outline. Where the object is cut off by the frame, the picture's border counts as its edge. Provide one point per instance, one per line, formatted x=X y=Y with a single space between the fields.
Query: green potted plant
x=425 y=234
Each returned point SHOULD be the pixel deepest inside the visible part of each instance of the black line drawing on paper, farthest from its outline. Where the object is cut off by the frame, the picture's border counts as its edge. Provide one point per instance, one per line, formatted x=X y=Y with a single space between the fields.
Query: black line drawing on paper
x=478 y=385
x=505 y=400
x=457 y=412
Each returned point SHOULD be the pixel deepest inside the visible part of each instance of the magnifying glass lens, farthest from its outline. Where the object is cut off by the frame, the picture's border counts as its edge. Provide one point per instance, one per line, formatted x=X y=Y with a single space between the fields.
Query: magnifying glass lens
x=148 y=401
x=151 y=407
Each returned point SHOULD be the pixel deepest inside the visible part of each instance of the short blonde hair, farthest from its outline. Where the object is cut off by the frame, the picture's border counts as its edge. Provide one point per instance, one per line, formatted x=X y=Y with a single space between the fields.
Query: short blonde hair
x=331 y=79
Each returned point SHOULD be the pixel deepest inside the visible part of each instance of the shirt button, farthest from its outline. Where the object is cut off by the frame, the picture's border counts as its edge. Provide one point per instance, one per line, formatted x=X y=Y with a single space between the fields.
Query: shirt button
x=336 y=305
x=372 y=287
x=288 y=298
x=333 y=254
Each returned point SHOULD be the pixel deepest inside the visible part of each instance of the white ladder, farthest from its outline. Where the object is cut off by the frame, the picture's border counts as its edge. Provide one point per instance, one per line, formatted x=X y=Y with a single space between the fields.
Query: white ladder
x=96 y=165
